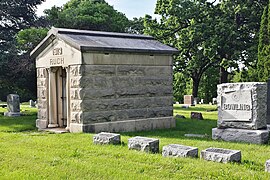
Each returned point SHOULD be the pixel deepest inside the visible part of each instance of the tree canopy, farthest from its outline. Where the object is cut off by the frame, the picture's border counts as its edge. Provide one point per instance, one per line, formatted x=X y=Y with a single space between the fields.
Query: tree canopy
x=208 y=34
x=89 y=15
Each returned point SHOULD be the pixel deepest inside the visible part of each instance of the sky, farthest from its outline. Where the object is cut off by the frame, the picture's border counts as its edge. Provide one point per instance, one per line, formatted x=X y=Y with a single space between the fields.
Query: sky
x=131 y=8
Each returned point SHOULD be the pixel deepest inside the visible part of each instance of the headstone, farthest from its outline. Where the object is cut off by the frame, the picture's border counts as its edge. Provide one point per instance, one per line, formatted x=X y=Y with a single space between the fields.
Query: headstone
x=107 y=138
x=13 y=105
x=180 y=116
x=196 y=115
x=221 y=155
x=32 y=103
x=202 y=101
x=144 y=144
x=188 y=100
x=196 y=101
x=185 y=106
x=267 y=166
x=177 y=150
x=214 y=101
x=242 y=113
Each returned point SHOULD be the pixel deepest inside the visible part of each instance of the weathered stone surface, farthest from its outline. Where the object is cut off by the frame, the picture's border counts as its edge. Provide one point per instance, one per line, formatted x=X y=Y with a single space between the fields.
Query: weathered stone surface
x=241 y=135
x=177 y=150
x=144 y=144
x=125 y=126
x=13 y=105
x=188 y=100
x=75 y=70
x=242 y=105
x=267 y=166
x=196 y=115
x=221 y=155
x=107 y=138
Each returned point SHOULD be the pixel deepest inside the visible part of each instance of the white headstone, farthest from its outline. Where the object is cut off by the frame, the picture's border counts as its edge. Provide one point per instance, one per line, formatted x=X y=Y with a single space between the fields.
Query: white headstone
x=32 y=103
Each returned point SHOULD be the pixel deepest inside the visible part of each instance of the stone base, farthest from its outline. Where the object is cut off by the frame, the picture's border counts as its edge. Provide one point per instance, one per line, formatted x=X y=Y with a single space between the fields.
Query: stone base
x=125 y=126
x=144 y=144
x=12 y=114
x=41 y=124
x=241 y=135
x=107 y=138
x=221 y=155
x=177 y=150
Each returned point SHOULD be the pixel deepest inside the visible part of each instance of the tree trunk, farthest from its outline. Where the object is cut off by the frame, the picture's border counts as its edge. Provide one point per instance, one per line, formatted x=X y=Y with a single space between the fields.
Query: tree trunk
x=223 y=75
x=195 y=87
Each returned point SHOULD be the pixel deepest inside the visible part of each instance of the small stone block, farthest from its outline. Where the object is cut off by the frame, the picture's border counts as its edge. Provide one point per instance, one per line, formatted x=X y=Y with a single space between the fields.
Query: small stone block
x=267 y=166
x=196 y=115
x=107 y=138
x=221 y=155
x=177 y=150
x=144 y=144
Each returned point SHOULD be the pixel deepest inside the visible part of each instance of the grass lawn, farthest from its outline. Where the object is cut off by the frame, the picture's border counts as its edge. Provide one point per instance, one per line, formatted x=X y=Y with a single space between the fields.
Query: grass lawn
x=26 y=153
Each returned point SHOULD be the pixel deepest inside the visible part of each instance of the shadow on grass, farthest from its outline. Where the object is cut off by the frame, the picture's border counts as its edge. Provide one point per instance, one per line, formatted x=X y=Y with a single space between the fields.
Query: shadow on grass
x=17 y=124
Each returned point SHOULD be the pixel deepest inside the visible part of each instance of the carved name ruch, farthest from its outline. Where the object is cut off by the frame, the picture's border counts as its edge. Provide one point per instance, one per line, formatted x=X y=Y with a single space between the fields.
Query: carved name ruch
x=236 y=105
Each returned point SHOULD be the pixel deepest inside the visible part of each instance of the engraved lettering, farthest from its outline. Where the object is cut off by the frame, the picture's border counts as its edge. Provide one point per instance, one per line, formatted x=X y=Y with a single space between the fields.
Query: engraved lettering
x=57 y=61
x=237 y=107
x=57 y=51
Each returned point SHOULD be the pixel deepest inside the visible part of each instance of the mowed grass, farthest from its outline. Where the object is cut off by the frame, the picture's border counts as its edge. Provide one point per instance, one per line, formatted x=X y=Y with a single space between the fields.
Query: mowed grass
x=26 y=153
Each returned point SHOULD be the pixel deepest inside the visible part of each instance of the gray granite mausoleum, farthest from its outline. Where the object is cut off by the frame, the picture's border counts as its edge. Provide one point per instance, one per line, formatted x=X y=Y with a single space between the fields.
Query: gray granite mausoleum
x=89 y=81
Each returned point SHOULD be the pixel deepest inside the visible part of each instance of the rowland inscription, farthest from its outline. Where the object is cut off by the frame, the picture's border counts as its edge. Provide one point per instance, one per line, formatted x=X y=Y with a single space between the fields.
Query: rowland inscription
x=236 y=106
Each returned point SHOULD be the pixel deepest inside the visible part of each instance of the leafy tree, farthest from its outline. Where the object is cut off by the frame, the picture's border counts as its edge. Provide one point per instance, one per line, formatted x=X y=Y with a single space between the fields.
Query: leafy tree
x=188 y=26
x=136 y=26
x=87 y=14
x=15 y=15
x=264 y=47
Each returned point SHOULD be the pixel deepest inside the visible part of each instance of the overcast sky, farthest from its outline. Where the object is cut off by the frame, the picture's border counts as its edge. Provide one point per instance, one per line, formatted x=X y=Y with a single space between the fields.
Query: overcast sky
x=131 y=8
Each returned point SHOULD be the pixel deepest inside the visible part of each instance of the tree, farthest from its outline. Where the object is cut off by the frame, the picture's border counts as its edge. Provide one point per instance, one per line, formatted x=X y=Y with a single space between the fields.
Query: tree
x=89 y=15
x=190 y=27
x=14 y=16
x=264 y=47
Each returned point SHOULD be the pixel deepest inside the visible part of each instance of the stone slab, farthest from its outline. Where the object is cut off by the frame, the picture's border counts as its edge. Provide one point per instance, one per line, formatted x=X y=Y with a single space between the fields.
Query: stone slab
x=221 y=155
x=12 y=114
x=267 y=166
x=106 y=138
x=241 y=135
x=126 y=126
x=177 y=150
x=144 y=144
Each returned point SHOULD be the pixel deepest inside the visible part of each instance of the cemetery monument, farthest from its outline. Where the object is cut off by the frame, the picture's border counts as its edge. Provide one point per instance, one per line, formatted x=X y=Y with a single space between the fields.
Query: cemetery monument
x=242 y=113
x=90 y=81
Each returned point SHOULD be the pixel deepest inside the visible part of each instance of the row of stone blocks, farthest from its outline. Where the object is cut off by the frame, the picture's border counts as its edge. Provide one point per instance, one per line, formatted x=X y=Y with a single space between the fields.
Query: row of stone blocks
x=151 y=145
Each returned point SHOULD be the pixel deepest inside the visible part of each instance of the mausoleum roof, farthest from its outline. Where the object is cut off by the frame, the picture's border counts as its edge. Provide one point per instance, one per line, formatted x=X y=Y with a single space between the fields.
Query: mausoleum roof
x=85 y=40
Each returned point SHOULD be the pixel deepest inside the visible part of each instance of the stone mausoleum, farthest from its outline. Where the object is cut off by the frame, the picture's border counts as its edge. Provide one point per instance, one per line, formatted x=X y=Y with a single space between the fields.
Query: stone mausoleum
x=89 y=81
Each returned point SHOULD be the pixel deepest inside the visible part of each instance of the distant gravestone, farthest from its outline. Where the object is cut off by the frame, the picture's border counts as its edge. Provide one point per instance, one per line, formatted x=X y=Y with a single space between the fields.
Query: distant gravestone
x=242 y=113
x=214 y=101
x=196 y=115
x=188 y=100
x=32 y=103
x=267 y=166
x=13 y=105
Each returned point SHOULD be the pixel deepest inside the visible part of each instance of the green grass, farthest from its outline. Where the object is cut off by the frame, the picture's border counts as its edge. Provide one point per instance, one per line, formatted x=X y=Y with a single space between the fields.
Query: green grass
x=26 y=153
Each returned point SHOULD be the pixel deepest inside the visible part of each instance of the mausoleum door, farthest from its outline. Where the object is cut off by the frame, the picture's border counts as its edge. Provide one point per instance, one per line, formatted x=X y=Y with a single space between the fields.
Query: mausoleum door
x=57 y=97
